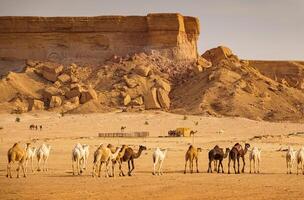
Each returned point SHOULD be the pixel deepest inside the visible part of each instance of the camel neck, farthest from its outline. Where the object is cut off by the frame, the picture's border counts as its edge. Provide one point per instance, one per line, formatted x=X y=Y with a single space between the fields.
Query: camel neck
x=136 y=155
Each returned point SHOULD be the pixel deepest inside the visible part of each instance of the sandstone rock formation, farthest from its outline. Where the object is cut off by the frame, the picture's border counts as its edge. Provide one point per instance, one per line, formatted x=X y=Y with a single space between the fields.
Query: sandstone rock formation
x=96 y=39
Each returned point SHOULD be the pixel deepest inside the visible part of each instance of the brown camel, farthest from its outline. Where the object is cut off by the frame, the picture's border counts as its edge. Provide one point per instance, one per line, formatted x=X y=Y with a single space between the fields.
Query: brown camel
x=191 y=155
x=16 y=154
x=217 y=154
x=236 y=153
x=129 y=157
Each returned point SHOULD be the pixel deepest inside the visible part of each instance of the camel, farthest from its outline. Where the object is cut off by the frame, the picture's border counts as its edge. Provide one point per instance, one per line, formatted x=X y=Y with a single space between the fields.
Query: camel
x=32 y=127
x=300 y=160
x=30 y=154
x=191 y=155
x=290 y=159
x=122 y=128
x=101 y=156
x=80 y=154
x=16 y=154
x=255 y=157
x=159 y=156
x=43 y=153
x=217 y=154
x=235 y=154
x=86 y=149
x=129 y=157
x=117 y=159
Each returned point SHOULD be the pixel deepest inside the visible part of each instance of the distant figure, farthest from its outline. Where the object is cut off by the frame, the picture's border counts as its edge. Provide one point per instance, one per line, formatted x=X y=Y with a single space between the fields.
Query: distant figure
x=36 y=127
x=40 y=127
x=122 y=128
x=32 y=126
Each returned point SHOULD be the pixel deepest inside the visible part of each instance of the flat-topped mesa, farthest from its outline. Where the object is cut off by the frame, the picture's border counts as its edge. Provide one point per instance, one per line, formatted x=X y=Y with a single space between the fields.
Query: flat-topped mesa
x=95 y=39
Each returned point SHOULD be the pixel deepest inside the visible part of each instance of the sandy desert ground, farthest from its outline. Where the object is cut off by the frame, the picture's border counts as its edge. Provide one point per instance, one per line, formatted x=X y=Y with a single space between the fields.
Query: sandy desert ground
x=63 y=132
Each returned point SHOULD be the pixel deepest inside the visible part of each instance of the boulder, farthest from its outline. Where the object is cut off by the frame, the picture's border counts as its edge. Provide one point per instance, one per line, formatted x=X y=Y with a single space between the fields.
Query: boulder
x=51 y=91
x=160 y=83
x=138 y=101
x=197 y=69
x=215 y=55
x=72 y=93
x=142 y=70
x=163 y=98
x=64 y=78
x=74 y=79
x=51 y=71
x=56 y=101
x=35 y=104
x=57 y=84
x=88 y=95
x=131 y=83
x=150 y=99
x=203 y=62
x=127 y=100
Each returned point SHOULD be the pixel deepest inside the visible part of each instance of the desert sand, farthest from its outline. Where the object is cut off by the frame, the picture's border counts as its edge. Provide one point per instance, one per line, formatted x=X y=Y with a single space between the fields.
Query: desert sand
x=62 y=133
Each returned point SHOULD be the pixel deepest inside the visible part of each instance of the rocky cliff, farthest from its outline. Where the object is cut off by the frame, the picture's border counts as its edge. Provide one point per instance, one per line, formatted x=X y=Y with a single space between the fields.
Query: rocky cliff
x=95 y=39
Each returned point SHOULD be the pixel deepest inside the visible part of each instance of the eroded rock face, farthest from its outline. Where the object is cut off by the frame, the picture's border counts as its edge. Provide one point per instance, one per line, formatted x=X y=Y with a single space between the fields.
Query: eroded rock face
x=96 y=39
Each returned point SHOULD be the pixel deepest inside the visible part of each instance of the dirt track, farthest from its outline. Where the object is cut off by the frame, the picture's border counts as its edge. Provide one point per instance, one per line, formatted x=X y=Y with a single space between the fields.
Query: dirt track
x=63 y=133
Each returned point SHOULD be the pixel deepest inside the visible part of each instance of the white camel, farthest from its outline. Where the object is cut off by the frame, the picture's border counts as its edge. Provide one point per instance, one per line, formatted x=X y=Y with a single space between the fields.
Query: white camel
x=80 y=154
x=255 y=157
x=30 y=154
x=300 y=160
x=290 y=159
x=86 y=148
x=159 y=156
x=43 y=153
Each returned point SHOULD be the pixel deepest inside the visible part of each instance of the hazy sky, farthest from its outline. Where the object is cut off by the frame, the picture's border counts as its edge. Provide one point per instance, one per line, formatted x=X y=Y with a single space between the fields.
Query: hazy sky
x=256 y=29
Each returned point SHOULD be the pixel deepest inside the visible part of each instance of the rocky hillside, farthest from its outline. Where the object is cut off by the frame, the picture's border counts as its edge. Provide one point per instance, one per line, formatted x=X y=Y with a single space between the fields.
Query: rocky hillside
x=218 y=84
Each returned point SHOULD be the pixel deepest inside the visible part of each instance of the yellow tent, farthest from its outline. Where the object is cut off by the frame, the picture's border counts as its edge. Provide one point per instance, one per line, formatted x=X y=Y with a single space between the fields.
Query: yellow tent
x=184 y=131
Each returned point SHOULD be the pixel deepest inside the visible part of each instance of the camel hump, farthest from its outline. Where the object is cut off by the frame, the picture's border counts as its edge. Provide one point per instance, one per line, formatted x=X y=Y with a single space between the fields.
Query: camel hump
x=16 y=144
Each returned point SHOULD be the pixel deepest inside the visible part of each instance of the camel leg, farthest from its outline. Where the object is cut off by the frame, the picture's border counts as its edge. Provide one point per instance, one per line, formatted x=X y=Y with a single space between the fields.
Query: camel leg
x=46 y=164
x=121 y=173
x=229 y=165
x=106 y=169
x=196 y=161
x=250 y=165
x=238 y=162
x=18 y=170
x=132 y=165
x=185 y=171
x=39 y=161
x=113 y=169
x=26 y=163
x=209 y=167
x=191 y=166
x=161 y=167
x=73 y=167
x=234 y=160
x=298 y=168
x=154 y=164
x=32 y=161
x=218 y=167
x=9 y=172
x=222 y=166
x=129 y=167
x=23 y=170
x=287 y=165
x=258 y=165
x=78 y=166
x=215 y=165
x=100 y=168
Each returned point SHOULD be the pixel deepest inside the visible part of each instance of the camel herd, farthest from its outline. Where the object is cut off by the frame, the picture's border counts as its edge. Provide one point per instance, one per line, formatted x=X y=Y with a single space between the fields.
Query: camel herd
x=108 y=155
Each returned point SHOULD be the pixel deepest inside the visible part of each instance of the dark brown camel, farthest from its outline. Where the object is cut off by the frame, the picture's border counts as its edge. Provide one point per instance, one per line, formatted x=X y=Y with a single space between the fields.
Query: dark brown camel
x=217 y=154
x=236 y=153
x=129 y=157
